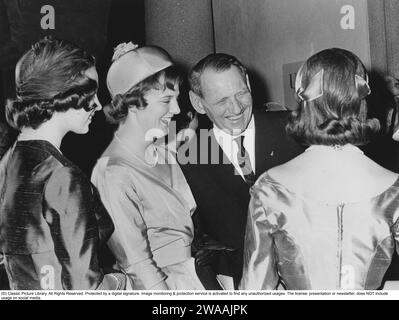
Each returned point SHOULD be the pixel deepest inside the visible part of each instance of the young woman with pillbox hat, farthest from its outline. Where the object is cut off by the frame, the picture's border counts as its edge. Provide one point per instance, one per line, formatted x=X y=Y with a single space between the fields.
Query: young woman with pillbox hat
x=146 y=194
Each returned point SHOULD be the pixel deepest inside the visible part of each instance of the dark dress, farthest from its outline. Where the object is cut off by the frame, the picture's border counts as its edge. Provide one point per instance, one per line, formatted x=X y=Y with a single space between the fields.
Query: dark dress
x=52 y=222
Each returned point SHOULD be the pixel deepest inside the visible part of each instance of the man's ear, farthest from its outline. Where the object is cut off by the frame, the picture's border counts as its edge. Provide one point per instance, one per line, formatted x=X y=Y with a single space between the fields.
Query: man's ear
x=248 y=84
x=196 y=102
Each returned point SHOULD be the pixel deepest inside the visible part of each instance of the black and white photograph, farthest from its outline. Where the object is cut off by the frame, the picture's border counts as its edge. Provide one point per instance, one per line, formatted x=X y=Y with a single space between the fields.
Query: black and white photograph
x=214 y=150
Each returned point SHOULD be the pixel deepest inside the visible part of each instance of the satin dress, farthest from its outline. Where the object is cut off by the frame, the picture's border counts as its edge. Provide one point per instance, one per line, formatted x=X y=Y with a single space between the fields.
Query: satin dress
x=152 y=218
x=303 y=243
x=52 y=222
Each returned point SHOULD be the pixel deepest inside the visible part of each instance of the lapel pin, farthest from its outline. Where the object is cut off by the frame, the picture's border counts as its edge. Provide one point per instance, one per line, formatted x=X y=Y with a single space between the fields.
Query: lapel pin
x=272 y=153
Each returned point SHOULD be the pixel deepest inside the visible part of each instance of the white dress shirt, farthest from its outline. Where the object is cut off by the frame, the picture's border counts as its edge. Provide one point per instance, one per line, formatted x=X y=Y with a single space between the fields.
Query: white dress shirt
x=230 y=147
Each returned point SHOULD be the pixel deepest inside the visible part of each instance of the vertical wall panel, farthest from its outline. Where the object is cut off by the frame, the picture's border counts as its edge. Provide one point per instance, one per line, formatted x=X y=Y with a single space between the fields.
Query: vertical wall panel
x=267 y=34
x=377 y=33
x=392 y=39
x=182 y=27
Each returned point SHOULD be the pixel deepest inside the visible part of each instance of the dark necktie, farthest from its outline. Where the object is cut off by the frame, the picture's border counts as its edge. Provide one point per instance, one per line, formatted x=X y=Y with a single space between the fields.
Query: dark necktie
x=244 y=161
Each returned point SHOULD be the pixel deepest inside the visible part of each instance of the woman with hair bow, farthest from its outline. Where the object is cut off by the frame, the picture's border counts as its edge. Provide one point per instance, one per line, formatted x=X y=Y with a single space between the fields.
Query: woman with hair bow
x=328 y=219
x=52 y=222
x=138 y=178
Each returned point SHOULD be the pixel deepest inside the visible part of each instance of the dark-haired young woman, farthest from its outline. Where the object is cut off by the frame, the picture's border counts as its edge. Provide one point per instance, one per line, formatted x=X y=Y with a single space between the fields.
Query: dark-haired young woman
x=52 y=222
x=328 y=219
x=139 y=181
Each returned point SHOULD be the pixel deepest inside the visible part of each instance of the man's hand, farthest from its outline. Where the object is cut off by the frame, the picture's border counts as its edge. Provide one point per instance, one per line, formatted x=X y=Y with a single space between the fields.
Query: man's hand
x=207 y=249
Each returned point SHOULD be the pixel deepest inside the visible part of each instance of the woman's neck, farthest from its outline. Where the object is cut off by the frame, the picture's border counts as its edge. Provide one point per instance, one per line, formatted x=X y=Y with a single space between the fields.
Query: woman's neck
x=133 y=138
x=335 y=149
x=47 y=131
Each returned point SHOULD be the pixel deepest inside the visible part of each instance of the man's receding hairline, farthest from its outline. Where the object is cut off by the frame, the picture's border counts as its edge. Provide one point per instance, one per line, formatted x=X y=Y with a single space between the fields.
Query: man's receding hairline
x=201 y=93
x=211 y=68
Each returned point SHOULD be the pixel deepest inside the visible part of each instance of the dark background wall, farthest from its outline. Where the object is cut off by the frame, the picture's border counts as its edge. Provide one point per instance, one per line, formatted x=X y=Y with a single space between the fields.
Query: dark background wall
x=125 y=23
x=183 y=27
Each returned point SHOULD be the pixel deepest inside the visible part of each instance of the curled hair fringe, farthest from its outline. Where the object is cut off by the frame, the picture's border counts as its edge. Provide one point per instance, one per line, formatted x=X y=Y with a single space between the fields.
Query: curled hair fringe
x=23 y=111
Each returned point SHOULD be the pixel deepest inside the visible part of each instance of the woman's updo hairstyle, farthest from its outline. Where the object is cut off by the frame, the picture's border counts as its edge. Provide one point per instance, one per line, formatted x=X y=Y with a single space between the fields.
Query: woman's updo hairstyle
x=50 y=78
x=133 y=73
x=332 y=86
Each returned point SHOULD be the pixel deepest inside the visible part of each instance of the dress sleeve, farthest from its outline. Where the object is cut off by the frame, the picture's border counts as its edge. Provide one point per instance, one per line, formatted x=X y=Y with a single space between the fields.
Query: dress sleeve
x=129 y=242
x=260 y=262
x=68 y=210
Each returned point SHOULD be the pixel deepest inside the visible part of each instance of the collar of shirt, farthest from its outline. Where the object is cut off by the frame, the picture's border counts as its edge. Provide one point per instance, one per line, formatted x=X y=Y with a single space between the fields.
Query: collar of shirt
x=230 y=147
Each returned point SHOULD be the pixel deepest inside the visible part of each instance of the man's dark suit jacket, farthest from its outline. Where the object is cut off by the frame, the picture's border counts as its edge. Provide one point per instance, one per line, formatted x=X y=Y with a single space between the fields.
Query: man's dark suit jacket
x=222 y=197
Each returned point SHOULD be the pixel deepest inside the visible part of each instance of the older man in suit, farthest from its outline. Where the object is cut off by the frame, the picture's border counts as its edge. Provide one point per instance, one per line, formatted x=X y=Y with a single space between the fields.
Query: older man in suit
x=248 y=144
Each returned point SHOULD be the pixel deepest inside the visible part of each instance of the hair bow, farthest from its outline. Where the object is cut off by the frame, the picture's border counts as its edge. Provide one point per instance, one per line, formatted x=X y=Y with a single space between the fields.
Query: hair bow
x=315 y=87
x=362 y=87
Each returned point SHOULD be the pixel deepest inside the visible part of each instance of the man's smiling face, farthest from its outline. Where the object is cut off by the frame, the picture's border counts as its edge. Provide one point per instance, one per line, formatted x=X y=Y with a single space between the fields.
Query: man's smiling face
x=226 y=99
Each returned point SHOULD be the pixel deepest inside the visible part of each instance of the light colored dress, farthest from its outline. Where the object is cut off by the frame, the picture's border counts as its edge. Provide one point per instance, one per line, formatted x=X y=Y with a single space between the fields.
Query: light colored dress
x=308 y=244
x=153 y=226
